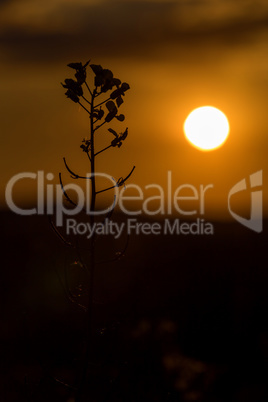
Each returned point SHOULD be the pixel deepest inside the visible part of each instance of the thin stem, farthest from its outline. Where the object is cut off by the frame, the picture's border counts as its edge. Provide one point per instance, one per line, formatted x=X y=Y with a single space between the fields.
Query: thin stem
x=98 y=94
x=69 y=293
x=101 y=103
x=89 y=317
x=104 y=149
x=65 y=194
x=63 y=383
x=88 y=88
x=88 y=156
x=69 y=244
x=96 y=128
x=74 y=175
x=84 y=107
x=106 y=189
x=86 y=99
x=66 y=292
x=125 y=179
x=119 y=183
x=92 y=158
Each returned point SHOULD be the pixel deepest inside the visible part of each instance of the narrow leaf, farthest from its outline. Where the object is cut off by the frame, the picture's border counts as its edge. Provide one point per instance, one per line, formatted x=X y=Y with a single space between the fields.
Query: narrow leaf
x=113 y=132
x=86 y=64
x=75 y=66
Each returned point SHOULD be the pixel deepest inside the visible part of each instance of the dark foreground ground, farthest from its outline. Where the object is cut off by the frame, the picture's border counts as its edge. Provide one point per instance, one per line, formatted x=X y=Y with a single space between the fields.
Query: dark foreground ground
x=179 y=318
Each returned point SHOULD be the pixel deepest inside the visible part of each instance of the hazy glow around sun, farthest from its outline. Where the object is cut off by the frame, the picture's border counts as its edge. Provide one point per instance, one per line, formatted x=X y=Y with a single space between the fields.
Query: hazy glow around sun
x=206 y=128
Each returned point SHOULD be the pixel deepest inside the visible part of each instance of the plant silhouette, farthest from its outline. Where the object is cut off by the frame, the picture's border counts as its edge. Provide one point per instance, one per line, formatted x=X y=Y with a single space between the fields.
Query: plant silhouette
x=101 y=103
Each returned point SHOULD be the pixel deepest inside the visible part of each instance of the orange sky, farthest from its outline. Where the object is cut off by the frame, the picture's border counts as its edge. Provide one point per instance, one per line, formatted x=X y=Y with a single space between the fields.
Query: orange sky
x=176 y=56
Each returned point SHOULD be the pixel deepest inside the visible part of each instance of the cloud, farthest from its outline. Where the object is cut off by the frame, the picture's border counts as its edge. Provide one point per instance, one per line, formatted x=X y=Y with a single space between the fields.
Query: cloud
x=33 y=30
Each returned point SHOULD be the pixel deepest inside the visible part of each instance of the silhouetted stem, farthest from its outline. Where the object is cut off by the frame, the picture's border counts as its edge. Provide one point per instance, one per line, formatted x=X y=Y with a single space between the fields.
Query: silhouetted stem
x=88 y=156
x=89 y=90
x=100 y=126
x=86 y=99
x=101 y=103
x=89 y=319
x=92 y=160
x=89 y=147
x=65 y=194
x=74 y=175
x=118 y=184
x=104 y=149
x=84 y=108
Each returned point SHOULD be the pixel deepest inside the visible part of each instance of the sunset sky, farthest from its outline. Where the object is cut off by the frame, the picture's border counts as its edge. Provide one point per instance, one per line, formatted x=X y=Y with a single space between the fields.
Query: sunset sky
x=175 y=55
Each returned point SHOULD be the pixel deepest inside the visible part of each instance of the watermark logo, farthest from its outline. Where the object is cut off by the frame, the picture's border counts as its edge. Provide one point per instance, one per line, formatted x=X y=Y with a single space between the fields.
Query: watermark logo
x=133 y=226
x=255 y=221
x=185 y=200
x=165 y=200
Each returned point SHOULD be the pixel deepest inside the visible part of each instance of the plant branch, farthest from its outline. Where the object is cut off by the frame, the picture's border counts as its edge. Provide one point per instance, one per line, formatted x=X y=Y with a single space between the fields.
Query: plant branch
x=69 y=244
x=92 y=156
x=89 y=322
x=70 y=295
x=119 y=183
x=65 y=194
x=88 y=156
x=104 y=149
x=86 y=99
x=98 y=94
x=101 y=103
x=88 y=88
x=67 y=294
x=84 y=107
x=96 y=128
x=104 y=81
x=63 y=383
x=74 y=175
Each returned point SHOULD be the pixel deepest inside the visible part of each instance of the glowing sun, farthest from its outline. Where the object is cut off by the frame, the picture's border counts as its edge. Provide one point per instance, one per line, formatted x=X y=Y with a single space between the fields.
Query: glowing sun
x=206 y=128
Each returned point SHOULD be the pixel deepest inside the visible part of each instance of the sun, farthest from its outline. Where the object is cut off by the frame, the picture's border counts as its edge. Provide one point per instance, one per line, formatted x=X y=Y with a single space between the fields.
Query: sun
x=206 y=128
